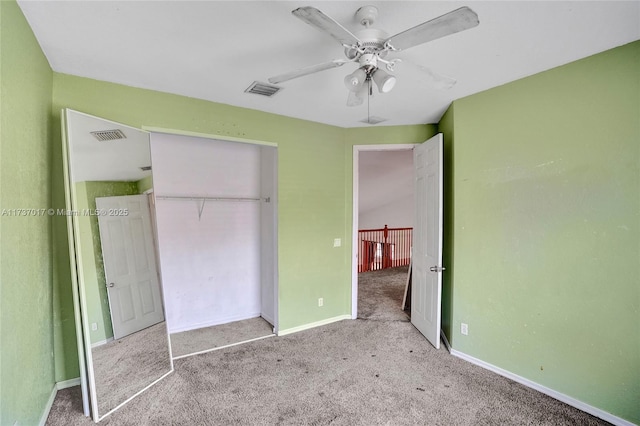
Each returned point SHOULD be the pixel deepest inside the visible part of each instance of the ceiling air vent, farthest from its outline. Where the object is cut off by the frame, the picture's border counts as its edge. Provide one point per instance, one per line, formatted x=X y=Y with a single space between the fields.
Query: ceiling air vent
x=264 y=89
x=108 y=135
x=373 y=120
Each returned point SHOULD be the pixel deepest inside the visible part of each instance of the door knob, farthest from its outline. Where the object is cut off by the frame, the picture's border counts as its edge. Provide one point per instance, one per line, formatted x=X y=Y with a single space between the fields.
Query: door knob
x=437 y=268
x=112 y=284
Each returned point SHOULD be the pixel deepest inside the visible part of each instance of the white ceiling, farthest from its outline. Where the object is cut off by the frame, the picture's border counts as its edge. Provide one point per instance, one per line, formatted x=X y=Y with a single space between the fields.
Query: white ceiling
x=214 y=50
x=114 y=160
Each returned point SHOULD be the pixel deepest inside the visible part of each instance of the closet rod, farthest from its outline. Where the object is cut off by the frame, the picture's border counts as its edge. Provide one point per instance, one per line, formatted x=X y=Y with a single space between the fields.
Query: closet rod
x=191 y=198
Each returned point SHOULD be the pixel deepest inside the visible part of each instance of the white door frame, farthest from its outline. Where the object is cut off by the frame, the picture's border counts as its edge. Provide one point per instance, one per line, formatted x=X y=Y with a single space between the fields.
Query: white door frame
x=357 y=149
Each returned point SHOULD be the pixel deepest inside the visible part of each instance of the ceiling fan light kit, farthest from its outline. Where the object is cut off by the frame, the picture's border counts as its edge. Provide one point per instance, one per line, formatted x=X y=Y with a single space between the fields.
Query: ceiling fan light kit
x=384 y=81
x=355 y=80
x=370 y=46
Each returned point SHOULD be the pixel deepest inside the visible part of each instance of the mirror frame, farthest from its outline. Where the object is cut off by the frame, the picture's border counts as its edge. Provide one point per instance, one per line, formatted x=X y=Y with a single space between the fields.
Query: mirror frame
x=87 y=376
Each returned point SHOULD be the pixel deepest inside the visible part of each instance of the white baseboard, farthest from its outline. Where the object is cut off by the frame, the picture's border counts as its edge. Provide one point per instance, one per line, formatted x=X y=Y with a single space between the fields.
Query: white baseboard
x=47 y=408
x=58 y=386
x=313 y=325
x=268 y=319
x=68 y=383
x=101 y=342
x=545 y=390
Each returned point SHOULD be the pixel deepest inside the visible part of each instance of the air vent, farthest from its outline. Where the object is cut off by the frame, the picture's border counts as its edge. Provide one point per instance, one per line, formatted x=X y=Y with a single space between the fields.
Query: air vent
x=145 y=168
x=264 y=89
x=373 y=120
x=108 y=135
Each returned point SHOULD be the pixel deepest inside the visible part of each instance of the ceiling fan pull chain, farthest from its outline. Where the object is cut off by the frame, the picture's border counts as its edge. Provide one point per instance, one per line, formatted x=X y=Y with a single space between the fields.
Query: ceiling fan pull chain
x=369 y=102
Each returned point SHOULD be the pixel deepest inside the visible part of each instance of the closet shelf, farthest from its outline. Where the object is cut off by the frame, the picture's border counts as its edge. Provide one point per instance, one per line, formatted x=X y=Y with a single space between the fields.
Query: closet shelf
x=204 y=199
x=195 y=198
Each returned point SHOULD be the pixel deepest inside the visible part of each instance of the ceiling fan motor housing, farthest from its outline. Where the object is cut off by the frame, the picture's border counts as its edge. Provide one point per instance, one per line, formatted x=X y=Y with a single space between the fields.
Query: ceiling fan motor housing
x=372 y=42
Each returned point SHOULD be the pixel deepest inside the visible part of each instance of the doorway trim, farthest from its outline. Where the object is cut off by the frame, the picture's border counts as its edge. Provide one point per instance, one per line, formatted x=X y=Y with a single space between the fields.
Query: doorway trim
x=357 y=149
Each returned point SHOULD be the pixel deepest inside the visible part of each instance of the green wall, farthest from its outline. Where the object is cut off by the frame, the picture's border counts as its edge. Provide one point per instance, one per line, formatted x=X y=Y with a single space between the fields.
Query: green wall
x=26 y=295
x=90 y=249
x=547 y=229
x=144 y=184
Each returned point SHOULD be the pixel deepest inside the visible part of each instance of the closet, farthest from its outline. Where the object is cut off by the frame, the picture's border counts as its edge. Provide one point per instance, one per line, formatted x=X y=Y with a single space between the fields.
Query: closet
x=216 y=216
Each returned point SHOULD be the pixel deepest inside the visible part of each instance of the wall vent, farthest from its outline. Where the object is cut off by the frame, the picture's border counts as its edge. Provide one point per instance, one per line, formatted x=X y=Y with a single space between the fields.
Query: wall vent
x=108 y=135
x=264 y=89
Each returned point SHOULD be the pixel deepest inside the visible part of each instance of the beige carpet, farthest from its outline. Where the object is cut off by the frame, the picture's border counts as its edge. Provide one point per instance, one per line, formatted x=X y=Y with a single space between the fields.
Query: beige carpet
x=203 y=339
x=126 y=366
x=354 y=372
x=380 y=294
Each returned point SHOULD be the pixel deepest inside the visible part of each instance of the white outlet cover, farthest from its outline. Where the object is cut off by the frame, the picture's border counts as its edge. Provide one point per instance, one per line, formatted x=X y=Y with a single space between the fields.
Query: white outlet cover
x=464 y=329
x=337 y=242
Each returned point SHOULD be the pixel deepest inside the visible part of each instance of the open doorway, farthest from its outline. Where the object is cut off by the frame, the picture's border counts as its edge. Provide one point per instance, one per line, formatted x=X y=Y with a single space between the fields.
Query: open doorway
x=426 y=249
x=383 y=210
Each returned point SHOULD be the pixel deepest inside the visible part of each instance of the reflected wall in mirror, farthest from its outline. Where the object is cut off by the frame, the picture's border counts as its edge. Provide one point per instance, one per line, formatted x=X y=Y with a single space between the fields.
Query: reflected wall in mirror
x=124 y=330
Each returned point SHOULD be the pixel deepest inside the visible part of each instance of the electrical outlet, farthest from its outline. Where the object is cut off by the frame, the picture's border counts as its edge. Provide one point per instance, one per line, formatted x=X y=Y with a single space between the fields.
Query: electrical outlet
x=94 y=326
x=464 y=329
x=337 y=242
x=321 y=302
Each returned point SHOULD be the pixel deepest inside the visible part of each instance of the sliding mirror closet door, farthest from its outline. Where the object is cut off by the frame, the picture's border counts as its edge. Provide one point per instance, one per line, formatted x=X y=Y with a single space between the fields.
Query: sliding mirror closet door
x=123 y=326
x=216 y=216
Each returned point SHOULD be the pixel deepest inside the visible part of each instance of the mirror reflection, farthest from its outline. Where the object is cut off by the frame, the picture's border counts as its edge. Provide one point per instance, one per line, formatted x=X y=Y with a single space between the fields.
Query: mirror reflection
x=124 y=326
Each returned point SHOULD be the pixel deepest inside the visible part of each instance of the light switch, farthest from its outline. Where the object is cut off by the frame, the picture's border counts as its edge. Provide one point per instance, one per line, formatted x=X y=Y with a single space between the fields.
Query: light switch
x=337 y=242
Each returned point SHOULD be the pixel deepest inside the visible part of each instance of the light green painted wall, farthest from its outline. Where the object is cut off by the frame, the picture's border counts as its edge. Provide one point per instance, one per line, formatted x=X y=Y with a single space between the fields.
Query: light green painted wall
x=26 y=296
x=145 y=184
x=547 y=229
x=90 y=248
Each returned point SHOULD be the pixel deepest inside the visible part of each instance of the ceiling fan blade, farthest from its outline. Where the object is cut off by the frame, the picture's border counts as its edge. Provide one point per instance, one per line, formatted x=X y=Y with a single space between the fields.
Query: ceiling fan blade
x=316 y=18
x=447 y=24
x=308 y=70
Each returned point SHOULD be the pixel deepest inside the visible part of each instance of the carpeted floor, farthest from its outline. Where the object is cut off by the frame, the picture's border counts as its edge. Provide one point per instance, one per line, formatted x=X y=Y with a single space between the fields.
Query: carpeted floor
x=203 y=339
x=380 y=294
x=353 y=372
x=126 y=366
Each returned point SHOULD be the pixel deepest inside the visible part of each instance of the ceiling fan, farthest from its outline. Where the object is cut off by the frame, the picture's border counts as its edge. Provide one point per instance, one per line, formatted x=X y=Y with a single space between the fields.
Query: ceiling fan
x=369 y=48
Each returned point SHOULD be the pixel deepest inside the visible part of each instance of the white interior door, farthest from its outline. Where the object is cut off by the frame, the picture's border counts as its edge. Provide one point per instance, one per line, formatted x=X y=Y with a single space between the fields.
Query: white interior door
x=129 y=263
x=426 y=279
